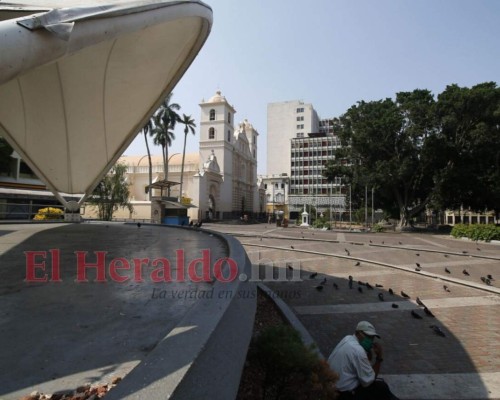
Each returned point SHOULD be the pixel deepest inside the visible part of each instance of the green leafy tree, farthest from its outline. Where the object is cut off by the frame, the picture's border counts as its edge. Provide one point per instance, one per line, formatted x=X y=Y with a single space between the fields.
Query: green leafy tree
x=112 y=193
x=189 y=126
x=386 y=148
x=469 y=120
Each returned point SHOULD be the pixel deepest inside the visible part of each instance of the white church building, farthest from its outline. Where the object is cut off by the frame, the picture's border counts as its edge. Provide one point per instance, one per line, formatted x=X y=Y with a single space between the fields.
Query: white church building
x=220 y=181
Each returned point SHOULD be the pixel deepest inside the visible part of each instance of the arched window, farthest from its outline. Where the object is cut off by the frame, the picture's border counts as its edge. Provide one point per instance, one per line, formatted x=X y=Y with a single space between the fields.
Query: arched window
x=212 y=115
x=211 y=133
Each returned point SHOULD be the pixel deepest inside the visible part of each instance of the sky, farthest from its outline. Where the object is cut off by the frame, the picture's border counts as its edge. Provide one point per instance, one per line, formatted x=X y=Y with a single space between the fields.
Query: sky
x=332 y=54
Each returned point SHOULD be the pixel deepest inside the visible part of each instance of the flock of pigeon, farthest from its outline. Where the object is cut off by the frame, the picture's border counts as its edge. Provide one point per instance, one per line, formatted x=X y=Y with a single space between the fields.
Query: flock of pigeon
x=414 y=313
x=360 y=285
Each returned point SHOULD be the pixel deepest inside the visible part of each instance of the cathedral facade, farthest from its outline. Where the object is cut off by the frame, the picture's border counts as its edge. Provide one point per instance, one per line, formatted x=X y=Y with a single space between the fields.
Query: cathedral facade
x=220 y=181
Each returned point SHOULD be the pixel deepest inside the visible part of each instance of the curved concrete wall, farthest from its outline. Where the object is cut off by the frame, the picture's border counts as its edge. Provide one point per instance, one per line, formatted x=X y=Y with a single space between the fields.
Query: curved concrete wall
x=204 y=355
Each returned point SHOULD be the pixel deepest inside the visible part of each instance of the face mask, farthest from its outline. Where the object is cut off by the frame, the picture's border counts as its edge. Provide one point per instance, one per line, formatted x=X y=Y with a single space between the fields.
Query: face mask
x=366 y=343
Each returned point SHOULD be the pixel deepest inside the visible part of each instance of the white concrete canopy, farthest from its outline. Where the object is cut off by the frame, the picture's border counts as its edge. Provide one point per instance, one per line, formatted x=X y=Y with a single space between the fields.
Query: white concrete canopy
x=79 y=79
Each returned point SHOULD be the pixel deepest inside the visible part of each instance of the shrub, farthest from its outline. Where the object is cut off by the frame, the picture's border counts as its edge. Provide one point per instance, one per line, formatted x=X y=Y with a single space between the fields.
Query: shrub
x=291 y=369
x=378 y=228
x=476 y=232
x=48 y=213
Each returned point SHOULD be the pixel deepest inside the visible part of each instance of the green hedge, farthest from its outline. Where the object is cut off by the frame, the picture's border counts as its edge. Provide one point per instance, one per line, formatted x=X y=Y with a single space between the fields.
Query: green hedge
x=476 y=232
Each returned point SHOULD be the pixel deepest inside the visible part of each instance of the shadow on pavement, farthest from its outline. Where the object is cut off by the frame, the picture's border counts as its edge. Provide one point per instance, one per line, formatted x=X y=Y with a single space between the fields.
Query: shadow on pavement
x=419 y=363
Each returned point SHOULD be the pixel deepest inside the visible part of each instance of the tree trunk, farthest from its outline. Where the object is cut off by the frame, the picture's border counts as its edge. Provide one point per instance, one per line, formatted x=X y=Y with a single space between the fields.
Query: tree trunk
x=182 y=166
x=150 y=166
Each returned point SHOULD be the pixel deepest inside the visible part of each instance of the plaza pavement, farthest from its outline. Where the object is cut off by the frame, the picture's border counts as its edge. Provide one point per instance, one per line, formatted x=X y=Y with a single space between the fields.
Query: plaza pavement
x=72 y=330
x=418 y=364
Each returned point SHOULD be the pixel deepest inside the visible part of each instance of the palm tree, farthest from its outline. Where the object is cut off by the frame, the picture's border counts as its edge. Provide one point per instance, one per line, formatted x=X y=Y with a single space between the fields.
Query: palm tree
x=189 y=125
x=167 y=113
x=146 y=129
x=162 y=136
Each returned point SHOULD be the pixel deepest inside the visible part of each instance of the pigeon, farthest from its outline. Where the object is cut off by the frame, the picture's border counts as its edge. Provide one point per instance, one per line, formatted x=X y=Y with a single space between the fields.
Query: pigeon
x=369 y=286
x=394 y=305
x=357 y=264
x=313 y=275
x=447 y=270
x=446 y=288
x=446 y=255
x=360 y=290
x=319 y=288
x=292 y=247
x=404 y=294
x=138 y=224
x=323 y=282
x=381 y=297
x=289 y=267
x=416 y=315
x=419 y=302
x=400 y=242
x=428 y=312
x=490 y=277
x=486 y=280
x=335 y=285
x=417 y=254
x=478 y=249
x=437 y=330
x=465 y=272
x=383 y=242
x=347 y=252
x=464 y=251
x=378 y=285
x=417 y=264
x=391 y=292
x=371 y=241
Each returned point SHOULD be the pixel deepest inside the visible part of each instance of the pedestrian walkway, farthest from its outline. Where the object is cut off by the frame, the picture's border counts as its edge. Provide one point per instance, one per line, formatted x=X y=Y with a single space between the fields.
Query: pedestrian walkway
x=418 y=363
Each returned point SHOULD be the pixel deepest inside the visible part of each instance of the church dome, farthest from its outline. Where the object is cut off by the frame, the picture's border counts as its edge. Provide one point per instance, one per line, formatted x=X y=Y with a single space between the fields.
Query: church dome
x=217 y=98
x=247 y=124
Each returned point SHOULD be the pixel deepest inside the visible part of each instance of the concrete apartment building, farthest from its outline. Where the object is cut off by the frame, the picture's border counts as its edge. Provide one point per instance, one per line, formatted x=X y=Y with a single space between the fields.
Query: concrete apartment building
x=285 y=121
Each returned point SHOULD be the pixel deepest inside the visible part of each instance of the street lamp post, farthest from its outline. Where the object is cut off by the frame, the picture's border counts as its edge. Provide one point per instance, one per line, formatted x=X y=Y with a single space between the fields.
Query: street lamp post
x=272 y=183
x=373 y=209
x=350 y=209
x=168 y=162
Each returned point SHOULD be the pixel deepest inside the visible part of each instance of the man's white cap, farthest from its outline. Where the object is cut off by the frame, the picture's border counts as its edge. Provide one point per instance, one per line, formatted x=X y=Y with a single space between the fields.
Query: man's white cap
x=366 y=327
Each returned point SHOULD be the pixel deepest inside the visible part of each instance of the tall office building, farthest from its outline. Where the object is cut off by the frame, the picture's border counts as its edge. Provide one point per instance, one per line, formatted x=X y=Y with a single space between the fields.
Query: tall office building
x=285 y=121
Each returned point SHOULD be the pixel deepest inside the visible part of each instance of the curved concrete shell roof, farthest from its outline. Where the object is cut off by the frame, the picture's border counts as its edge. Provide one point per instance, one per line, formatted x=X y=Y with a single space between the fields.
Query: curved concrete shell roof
x=79 y=79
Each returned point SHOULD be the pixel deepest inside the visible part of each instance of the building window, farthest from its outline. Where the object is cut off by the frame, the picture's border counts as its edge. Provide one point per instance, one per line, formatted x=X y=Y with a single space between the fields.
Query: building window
x=212 y=115
x=228 y=135
x=300 y=126
x=300 y=110
x=301 y=118
x=300 y=134
x=229 y=117
x=211 y=133
x=265 y=185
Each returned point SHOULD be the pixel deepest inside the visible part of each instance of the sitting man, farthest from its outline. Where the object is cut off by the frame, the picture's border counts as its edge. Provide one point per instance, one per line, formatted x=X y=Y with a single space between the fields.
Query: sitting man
x=351 y=360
